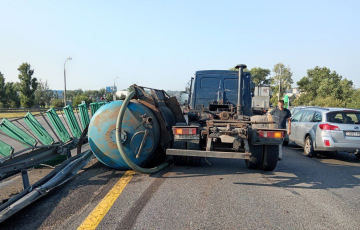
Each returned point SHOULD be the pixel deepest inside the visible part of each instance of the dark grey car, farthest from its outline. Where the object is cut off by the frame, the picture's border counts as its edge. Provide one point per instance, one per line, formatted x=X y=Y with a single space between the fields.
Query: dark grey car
x=326 y=129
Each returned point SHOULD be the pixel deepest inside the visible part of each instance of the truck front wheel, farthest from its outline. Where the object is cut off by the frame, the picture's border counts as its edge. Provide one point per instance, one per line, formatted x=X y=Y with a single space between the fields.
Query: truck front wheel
x=256 y=156
x=271 y=155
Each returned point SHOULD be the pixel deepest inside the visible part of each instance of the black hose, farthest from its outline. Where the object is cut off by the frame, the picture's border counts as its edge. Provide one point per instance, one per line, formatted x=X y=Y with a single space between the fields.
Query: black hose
x=121 y=147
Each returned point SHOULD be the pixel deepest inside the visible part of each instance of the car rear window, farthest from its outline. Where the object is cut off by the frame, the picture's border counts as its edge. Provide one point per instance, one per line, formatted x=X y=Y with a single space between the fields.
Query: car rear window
x=343 y=117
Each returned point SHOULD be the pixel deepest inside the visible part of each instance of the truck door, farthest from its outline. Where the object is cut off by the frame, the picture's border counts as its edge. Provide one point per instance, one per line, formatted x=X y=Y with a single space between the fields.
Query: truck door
x=207 y=90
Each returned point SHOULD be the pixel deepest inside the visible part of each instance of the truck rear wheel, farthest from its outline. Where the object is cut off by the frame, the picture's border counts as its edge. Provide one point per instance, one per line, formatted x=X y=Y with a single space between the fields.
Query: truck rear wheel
x=193 y=161
x=271 y=155
x=180 y=160
x=256 y=156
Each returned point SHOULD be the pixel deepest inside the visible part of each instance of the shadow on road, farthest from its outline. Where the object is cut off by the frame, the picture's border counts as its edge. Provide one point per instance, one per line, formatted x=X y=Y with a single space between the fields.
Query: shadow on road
x=64 y=201
x=327 y=171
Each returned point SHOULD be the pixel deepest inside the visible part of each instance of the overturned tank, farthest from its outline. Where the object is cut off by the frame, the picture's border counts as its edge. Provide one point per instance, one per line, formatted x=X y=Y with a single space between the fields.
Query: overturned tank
x=144 y=131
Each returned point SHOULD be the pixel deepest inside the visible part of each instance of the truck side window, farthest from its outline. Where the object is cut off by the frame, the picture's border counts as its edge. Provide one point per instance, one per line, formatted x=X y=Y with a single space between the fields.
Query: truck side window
x=317 y=117
x=210 y=82
x=230 y=83
x=297 y=116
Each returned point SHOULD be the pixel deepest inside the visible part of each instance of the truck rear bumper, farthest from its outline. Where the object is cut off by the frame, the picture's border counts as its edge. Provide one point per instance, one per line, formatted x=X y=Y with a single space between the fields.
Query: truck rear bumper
x=214 y=154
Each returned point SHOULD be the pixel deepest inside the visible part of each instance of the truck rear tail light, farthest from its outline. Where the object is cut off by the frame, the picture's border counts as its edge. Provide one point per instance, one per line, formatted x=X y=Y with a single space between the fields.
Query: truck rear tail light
x=327 y=142
x=184 y=131
x=328 y=127
x=271 y=134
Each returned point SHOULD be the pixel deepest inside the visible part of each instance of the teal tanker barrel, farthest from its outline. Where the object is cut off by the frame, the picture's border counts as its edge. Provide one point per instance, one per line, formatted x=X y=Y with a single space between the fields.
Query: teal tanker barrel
x=140 y=134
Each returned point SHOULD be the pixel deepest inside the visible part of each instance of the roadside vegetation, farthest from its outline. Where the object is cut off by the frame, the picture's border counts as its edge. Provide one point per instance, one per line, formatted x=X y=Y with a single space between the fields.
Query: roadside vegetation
x=320 y=87
x=30 y=92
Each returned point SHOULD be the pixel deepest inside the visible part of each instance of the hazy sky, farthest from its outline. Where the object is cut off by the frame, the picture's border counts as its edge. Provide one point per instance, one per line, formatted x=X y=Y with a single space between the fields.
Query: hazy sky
x=161 y=44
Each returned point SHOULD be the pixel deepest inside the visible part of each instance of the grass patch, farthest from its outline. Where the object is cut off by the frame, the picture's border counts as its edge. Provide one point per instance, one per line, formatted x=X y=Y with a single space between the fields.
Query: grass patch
x=15 y=115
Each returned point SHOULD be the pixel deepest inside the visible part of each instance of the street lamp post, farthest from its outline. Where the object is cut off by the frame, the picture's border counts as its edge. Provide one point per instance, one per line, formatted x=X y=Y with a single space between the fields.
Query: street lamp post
x=114 y=96
x=69 y=58
x=279 y=85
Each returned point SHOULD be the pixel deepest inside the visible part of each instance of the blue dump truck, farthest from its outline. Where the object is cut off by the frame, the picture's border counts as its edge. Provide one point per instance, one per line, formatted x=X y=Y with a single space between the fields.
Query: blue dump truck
x=149 y=126
x=220 y=123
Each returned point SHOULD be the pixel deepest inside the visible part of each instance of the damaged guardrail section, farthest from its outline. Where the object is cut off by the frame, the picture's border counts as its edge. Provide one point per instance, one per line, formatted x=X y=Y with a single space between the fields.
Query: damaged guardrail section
x=57 y=177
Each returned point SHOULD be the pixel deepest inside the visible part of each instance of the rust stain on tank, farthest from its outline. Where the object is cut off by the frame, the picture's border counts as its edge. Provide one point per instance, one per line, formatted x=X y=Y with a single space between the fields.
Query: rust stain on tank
x=110 y=142
x=105 y=116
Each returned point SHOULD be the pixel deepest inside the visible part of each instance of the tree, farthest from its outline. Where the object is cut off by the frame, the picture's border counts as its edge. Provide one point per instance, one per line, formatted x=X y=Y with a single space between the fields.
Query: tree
x=12 y=99
x=79 y=98
x=43 y=94
x=355 y=100
x=323 y=87
x=258 y=75
x=2 y=90
x=28 y=85
x=283 y=76
x=57 y=102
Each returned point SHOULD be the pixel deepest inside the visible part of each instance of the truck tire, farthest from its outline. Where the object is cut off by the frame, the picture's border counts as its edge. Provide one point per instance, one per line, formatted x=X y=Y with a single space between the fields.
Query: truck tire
x=309 y=147
x=193 y=161
x=256 y=156
x=180 y=160
x=271 y=155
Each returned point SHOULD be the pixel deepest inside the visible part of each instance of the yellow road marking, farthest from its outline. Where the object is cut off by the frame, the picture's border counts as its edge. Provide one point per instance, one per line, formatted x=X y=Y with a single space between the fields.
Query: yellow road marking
x=95 y=217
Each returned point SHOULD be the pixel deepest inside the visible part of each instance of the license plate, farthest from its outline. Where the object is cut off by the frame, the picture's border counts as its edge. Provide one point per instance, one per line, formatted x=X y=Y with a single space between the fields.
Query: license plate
x=187 y=137
x=352 y=134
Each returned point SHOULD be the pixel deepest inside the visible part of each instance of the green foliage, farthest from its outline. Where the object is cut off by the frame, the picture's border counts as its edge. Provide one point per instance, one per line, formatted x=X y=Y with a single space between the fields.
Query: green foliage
x=109 y=97
x=43 y=94
x=323 y=87
x=12 y=99
x=258 y=75
x=57 y=102
x=284 y=75
x=355 y=100
x=79 y=98
x=27 y=86
x=2 y=90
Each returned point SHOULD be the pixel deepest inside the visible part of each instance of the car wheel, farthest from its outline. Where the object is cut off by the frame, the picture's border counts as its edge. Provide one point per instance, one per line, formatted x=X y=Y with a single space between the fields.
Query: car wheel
x=357 y=155
x=308 y=147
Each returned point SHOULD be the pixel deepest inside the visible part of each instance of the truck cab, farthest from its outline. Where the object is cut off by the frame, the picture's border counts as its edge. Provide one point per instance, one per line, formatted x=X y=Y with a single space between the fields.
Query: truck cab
x=217 y=90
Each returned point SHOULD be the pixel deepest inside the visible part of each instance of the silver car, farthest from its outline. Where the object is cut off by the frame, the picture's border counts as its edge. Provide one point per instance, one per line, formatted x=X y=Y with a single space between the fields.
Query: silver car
x=326 y=129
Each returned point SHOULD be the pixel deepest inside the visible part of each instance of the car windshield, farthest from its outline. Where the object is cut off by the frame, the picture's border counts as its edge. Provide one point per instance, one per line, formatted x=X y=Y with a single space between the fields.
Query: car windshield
x=342 y=117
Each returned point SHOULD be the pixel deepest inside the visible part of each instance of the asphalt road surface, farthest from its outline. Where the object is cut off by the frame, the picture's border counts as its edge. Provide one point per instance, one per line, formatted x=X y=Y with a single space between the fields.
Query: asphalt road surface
x=302 y=193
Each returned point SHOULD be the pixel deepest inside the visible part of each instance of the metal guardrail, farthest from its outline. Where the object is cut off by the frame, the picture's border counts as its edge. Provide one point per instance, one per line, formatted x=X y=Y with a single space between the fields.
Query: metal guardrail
x=25 y=110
